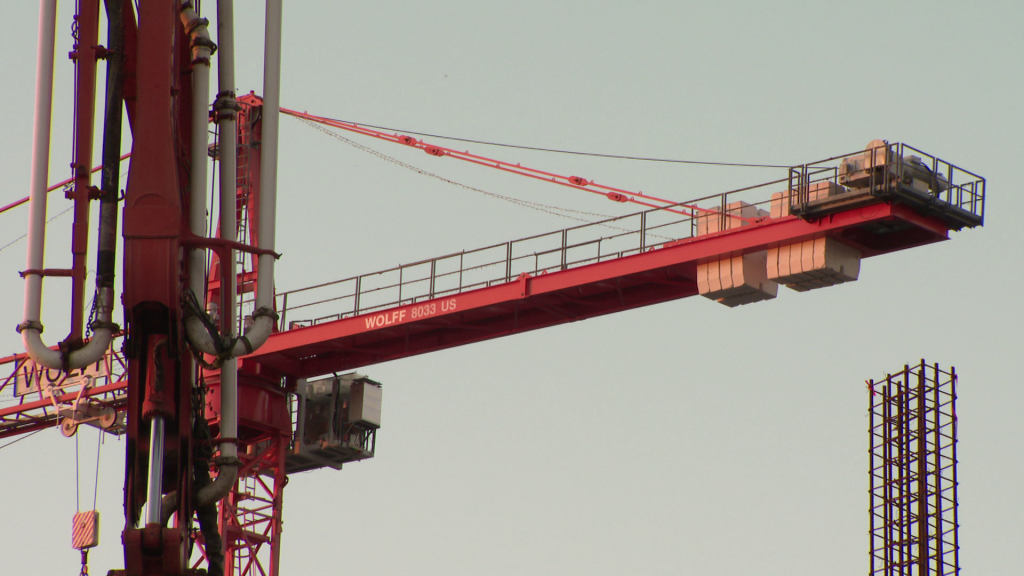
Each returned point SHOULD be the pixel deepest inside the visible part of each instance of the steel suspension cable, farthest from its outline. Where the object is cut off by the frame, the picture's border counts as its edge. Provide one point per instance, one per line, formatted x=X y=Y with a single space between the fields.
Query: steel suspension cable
x=51 y=219
x=573 y=152
x=96 y=482
x=576 y=182
x=78 y=481
x=524 y=203
x=22 y=438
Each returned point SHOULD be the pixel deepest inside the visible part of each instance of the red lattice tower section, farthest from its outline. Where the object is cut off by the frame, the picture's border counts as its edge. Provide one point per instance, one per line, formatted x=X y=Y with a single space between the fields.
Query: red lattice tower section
x=249 y=518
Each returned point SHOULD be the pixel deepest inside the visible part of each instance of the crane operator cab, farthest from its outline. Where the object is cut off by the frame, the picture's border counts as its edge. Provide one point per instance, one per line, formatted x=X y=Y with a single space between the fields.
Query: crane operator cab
x=336 y=422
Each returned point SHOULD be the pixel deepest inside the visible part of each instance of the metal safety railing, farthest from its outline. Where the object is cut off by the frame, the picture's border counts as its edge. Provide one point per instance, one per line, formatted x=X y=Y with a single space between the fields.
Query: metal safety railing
x=499 y=263
x=950 y=188
x=914 y=175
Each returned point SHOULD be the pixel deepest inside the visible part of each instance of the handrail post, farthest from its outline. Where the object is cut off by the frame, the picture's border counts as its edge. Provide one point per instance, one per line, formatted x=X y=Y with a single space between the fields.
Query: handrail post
x=643 y=231
x=508 y=261
x=790 y=191
x=722 y=211
x=565 y=241
x=359 y=282
x=893 y=164
x=803 y=186
x=433 y=270
x=284 y=312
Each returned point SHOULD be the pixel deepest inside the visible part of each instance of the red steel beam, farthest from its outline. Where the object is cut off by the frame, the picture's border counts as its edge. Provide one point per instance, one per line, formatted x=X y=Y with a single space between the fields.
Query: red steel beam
x=528 y=303
x=85 y=55
x=15 y=420
x=53 y=187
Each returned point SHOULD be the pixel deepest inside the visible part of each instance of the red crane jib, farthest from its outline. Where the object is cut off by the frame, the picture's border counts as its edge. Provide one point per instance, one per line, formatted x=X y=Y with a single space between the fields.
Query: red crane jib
x=659 y=274
x=529 y=302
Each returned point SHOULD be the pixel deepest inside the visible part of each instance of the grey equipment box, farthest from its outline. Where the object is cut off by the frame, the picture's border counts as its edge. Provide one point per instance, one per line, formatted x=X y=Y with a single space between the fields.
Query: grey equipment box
x=336 y=422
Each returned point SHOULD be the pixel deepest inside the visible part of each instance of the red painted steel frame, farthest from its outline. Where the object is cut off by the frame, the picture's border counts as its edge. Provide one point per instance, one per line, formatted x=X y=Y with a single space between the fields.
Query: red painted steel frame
x=31 y=423
x=250 y=516
x=85 y=55
x=158 y=98
x=528 y=303
x=658 y=275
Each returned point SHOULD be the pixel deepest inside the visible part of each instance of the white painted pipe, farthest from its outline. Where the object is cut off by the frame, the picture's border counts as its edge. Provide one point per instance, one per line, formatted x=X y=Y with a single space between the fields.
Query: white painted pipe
x=197 y=334
x=263 y=315
x=31 y=328
x=194 y=329
x=227 y=121
x=202 y=49
x=268 y=151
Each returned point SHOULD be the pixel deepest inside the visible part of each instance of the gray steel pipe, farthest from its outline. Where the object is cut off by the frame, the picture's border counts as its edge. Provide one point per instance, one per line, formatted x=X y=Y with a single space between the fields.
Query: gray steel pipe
x=202 y=49
x=226 y=108
x=263 y=315
x=227 y=121
x=268 y=150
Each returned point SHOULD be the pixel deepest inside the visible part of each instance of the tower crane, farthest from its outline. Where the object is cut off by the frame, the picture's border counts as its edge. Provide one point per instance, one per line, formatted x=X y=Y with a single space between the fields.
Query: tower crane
x=223 y=387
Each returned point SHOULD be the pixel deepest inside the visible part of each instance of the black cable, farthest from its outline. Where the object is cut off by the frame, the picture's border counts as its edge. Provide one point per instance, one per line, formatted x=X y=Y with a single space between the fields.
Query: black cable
x=9 y=244
x=523 y=203
x=202 y=453
x=193 y=306
x=22 y=438
x=577 y=153
x=78 y=480
x=96 y=483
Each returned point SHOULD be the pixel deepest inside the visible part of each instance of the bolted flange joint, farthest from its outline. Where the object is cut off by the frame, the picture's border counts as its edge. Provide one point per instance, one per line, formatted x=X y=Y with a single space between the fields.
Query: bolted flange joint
x=225 y=106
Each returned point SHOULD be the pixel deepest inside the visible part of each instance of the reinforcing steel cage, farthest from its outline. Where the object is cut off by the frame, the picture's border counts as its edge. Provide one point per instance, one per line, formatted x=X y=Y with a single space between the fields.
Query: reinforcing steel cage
x=913 y=431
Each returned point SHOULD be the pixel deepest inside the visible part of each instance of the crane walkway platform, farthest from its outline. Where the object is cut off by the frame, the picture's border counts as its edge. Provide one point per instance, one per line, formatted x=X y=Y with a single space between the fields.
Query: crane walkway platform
x=616 y=264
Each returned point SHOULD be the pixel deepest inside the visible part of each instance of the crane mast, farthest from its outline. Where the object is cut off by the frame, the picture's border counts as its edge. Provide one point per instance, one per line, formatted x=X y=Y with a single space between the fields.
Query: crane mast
x=220 y=398
x=158 y=68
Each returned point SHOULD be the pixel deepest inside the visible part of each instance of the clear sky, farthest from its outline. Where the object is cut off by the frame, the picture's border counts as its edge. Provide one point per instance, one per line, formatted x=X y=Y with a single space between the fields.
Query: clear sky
x=684 y=438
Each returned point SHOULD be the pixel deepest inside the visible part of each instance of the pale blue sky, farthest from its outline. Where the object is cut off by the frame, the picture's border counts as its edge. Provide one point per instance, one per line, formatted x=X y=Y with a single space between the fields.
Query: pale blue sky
x=685 y=438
